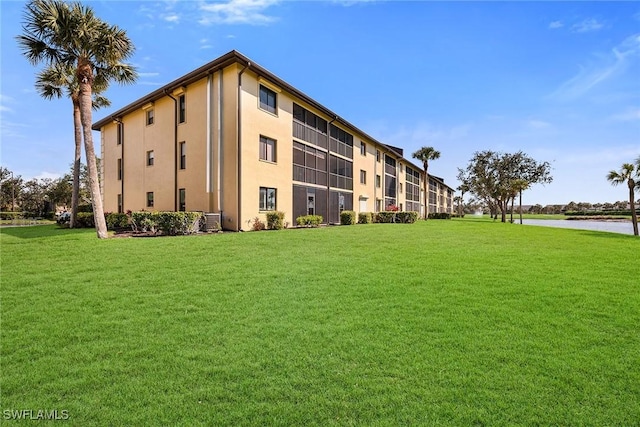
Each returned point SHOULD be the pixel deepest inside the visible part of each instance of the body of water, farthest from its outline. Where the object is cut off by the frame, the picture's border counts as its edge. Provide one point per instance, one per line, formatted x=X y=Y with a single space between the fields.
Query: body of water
x=623 y=227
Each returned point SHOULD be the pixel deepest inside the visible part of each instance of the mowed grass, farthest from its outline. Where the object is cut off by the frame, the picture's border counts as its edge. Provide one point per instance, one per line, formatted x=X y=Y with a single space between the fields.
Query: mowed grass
x=456 y=322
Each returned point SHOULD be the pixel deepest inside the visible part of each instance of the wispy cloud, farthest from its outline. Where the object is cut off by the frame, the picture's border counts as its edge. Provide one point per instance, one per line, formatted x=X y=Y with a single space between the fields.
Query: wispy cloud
x=630 y=115
x=4 y=100
x=250 y=12
x=587 y=25
x=148 y=74
x=172 y=18
x=602 y=69
x=538 y=124
x=555 y=25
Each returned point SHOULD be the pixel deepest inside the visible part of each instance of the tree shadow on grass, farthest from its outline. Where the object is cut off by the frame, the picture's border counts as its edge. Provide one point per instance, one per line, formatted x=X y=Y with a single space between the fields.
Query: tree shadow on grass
x=40 y=231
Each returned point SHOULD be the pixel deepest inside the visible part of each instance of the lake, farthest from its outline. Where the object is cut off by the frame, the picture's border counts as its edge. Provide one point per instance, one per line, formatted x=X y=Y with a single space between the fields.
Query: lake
x=623 y=227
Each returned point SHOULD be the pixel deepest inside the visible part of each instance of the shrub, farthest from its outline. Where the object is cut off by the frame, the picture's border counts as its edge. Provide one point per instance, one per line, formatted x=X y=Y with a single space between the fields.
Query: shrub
x=275 y=220
x=439 y=215
x=408 y=217
x=11 y=215
x=178 y=223
x=385 y=216
x=142 y=222
x=309 y=220
x=257 y=224
x=365 y=218
x=116 y=220
x=85 y=208
x=347 y=218
x=85 y=220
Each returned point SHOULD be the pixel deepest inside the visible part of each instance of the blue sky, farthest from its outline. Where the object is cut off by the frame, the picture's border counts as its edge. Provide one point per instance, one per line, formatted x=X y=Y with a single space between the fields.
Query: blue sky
x=558 y=80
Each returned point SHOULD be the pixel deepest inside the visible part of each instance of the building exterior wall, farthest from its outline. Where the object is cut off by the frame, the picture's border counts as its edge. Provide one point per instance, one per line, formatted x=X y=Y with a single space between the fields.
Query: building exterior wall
x=226 y=168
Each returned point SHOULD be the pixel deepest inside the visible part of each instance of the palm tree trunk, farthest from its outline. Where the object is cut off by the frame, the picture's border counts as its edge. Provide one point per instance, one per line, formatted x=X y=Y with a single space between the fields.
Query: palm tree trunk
x=634 y=216
x=85 y=77
x=520 y=206
x=75 y=194
x=426 y=194
x=513 y=199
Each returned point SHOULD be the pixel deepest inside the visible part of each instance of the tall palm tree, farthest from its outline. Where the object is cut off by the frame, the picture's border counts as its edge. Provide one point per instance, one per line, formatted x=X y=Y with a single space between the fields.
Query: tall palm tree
x=69 y=34
x=626 y=175
x=53 y=82
x=517 y=187
x=424 y=155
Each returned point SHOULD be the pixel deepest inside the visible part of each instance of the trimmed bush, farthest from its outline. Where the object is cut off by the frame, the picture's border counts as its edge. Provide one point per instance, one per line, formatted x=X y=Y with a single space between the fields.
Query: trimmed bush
x=439 y=215
x=598 y=213
x=179 y=223
x=116 y=220
x=408 y=217
x=347 y=218
x=385 y=217
x=309 y=220
x=11 y=215
x=275 y=220
x=365 y=218
x=85 y=220
x=143 y=222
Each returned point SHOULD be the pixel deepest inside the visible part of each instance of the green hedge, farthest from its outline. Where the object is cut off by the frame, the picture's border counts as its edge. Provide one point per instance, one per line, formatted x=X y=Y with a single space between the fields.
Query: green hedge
x=408 y=217
x=275 y=220
x=347 y=218
x=309 y=220
x=365 y=218
x=440 y=215
x=11 y=215
x=169 y=223
x=598 y=213
x=85 y=220
x=384 y=217
x=116 y=220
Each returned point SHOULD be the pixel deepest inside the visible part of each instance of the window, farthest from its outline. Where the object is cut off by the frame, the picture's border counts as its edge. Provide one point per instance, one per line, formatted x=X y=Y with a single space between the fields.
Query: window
x=120 y=135
x=267 y=149
x=183 y=200
x=378 y=181
x=309 y=164
x=119 y=169
x=149 y=117
x=268 y=99
x=400 y=187
x=363 y=176
x=267 y=199
x=183 y=155
x=182 y=109
x=363 y=149
x=377 y=155
x=150 y=158
x=341 y=173
x=150 y=199
x=119 y=203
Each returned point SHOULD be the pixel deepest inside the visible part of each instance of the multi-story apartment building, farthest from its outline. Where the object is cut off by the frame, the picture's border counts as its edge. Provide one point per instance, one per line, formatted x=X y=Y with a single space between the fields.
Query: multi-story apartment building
x=233 y=138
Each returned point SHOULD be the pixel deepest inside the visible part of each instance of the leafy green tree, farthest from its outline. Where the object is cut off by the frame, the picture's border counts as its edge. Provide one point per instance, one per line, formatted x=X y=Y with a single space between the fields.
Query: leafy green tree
x=626 y=175
x=70 y=35
x=490 y=176
x=425 y=155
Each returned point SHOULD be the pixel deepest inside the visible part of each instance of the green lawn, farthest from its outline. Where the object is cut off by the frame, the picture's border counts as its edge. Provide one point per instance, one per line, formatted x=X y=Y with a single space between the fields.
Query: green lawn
x=456 y=322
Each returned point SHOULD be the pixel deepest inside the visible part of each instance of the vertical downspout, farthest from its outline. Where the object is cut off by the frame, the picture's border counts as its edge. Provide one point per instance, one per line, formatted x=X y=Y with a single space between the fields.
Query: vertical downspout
x=220 y=145
x=239 y=136
x=209 y=138
x=175 y=151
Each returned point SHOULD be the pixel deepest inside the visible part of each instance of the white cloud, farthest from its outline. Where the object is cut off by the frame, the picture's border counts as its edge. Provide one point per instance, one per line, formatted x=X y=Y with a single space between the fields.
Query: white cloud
x=556 y=24
x=4 y=100
x=237 y=12
x=148 y=74
x=630 y=115
x=587 y=25
x=538 y=124
x=47 y=175
x=605 y=67
x=172 y=17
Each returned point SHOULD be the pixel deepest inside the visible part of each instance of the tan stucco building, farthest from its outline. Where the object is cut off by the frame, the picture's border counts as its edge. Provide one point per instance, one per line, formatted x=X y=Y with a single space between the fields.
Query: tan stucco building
x=232 y=138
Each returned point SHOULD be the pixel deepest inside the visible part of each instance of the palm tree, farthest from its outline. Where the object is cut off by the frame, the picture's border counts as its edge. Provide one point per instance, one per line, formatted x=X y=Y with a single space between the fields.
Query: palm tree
x=424 y=155
x=625 y=175
x=517 y=187
x=70 y=35
x=52 y=83
x=462 y=188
